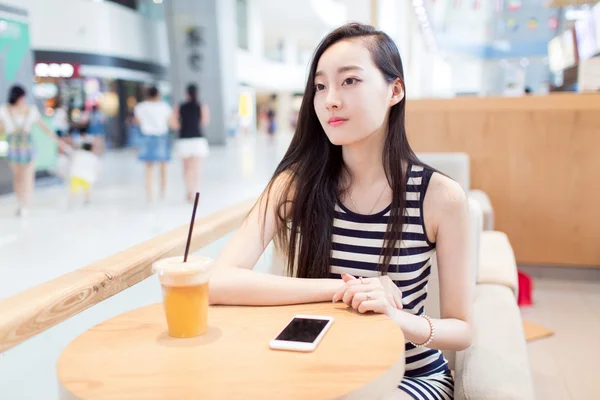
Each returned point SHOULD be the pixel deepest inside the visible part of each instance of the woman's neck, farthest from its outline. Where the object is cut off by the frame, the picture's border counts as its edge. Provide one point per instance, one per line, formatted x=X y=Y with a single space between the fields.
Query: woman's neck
x=364 y=160
x=17 y=107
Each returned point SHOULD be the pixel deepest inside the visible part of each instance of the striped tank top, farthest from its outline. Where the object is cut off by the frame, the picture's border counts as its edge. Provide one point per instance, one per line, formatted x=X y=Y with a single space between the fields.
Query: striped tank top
x=356 y=246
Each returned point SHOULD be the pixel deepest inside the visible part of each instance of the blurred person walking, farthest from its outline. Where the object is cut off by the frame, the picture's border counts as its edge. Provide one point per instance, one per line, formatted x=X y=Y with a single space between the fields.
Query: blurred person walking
x=95 y=129
x=155 y=117
x=84 y=168
x=17 y=119
x=192 y=146
x=60 y=121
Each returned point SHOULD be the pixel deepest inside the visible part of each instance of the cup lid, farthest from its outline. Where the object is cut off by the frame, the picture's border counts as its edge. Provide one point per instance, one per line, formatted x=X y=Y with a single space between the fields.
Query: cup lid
x=175 y=266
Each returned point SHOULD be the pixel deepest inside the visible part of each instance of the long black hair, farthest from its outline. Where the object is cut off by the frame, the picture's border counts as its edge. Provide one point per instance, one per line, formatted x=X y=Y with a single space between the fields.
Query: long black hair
x=311 y=170
x=15 y=93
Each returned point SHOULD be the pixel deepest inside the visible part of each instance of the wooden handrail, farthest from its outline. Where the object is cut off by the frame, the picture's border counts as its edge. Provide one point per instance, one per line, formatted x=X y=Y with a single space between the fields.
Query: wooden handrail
x=35 y=310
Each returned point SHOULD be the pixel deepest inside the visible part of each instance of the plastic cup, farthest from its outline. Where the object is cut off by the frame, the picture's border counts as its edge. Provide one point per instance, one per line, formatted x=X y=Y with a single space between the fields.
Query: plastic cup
x=185 y=294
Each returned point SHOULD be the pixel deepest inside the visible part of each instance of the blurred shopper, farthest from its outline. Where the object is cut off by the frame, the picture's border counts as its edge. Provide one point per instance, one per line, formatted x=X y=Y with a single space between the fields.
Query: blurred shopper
x=358 y=216
x=84 y=168
x=272 y=126
x=95 y=128
x=60 y=121
x=192 y=146
x=62 y=127
x=17 y=119
x=155 y=117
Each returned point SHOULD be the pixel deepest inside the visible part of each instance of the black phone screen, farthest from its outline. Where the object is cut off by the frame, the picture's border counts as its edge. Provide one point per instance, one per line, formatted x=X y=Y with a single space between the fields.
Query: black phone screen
x=302 y=330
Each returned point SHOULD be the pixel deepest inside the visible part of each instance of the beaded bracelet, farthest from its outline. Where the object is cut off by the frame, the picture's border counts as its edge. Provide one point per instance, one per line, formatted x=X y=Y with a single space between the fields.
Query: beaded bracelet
x=431 y=333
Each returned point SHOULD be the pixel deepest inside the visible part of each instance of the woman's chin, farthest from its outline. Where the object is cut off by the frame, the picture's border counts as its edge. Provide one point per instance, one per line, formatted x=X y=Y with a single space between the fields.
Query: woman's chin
x=340 y=139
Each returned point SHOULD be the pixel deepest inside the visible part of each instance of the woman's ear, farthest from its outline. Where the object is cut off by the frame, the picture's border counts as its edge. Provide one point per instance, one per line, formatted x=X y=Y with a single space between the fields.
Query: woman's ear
x=397 y=92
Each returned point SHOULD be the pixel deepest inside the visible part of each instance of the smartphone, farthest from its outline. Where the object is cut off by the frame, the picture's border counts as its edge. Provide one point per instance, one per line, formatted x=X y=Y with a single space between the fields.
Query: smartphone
x=302 y=333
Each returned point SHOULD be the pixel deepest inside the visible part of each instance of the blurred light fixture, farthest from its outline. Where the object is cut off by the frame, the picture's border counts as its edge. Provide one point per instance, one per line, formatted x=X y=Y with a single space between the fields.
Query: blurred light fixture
x=524 y=62
x=574 y=14
x=54 y=70
x=330 y=11
x=157 y=1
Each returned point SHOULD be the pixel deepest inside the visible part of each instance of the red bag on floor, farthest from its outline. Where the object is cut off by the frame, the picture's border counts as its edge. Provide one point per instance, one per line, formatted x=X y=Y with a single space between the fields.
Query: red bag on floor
x=525 y=297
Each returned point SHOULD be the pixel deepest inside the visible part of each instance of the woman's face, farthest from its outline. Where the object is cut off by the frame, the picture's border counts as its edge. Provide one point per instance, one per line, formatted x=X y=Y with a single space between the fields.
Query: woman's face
x=352 y=98
x=20 y=101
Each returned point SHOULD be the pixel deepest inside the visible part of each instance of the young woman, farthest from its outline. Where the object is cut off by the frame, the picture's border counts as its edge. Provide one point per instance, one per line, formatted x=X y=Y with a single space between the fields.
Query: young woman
x=155 y=117
x=17 y=119
x=192 y=146
x=358 y=214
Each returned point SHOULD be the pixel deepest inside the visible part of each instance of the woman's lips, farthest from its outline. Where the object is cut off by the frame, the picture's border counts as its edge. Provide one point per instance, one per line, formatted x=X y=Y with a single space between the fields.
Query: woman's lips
x=336 y=121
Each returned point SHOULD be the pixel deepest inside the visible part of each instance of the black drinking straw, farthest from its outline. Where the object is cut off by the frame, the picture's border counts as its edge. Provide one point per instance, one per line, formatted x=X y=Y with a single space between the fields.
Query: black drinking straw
x=187 y=246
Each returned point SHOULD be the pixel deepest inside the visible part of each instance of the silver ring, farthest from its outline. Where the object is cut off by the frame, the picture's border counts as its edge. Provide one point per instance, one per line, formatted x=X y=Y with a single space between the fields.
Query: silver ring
x=368 y=296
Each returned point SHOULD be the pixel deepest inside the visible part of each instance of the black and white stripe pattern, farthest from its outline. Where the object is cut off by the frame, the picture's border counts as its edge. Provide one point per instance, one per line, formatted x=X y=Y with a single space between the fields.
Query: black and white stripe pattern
x=356 y=247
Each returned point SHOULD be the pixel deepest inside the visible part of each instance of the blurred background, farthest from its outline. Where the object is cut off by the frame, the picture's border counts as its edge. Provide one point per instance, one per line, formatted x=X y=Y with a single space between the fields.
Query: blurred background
x=255 y=53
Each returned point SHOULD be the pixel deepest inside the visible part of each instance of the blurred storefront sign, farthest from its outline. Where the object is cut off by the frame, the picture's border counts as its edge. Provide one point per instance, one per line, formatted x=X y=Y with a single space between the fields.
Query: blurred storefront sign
x=56 y=70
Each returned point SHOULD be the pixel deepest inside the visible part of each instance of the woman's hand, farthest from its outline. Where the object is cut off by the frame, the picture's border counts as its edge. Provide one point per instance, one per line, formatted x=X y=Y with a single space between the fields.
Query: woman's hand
x=379 y=295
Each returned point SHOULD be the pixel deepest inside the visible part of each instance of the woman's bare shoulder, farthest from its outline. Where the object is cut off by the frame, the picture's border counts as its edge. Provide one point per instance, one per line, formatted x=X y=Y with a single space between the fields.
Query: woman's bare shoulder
x=444 y=198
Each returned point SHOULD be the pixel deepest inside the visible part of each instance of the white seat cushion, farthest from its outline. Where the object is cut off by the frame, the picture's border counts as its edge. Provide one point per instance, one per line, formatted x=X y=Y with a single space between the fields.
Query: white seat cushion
x=486 y=207
x=496 y=366
x=497 y=264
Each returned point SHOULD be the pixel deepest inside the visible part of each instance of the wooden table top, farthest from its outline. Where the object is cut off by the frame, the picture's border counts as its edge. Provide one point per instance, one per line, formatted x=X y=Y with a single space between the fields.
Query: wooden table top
x=131 y=356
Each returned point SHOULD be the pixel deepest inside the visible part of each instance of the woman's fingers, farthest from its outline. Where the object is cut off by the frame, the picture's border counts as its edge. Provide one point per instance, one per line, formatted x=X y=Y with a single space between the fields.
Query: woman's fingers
x=355 y=285
x=349 y=294
x=357 y=299
x=397 y=302
x=337 y=296
x=377 y=306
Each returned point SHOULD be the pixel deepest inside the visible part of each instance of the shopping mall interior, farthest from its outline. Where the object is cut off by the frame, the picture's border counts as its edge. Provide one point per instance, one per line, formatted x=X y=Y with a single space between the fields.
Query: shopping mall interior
x=100 y=167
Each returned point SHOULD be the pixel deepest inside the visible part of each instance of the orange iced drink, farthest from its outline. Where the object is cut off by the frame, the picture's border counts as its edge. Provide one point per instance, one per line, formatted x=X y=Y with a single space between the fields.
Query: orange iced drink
x=185 y=294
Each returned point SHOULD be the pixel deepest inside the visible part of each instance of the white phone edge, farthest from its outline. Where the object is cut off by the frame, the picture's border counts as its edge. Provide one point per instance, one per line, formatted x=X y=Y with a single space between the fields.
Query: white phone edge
x=301 y=346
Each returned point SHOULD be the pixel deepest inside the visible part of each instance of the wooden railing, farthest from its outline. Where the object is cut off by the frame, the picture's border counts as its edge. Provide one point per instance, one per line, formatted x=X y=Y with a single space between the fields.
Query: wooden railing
x=33 y=311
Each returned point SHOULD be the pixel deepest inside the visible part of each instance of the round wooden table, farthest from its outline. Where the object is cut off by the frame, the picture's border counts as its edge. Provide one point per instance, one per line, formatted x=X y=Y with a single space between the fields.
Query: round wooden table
x=132 y=357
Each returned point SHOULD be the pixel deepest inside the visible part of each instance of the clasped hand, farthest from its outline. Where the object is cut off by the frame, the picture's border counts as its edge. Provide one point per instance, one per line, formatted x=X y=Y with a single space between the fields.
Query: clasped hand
x=380 y=295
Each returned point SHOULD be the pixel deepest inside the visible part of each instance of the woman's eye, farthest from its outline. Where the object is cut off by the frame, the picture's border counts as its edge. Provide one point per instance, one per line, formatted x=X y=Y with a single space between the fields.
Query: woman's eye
x=319 y=86
x=349 y=81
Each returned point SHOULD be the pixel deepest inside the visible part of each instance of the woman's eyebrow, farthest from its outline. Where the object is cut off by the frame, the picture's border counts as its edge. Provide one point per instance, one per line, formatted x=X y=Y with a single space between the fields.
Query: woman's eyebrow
x=345 y=68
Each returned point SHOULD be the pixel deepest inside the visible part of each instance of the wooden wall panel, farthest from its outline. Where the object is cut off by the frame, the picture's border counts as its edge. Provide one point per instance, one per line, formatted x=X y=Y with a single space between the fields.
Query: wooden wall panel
x=538 y=158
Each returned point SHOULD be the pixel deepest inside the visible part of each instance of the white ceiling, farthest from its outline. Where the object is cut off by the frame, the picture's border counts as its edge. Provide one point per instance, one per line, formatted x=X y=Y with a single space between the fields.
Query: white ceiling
x=300 y=20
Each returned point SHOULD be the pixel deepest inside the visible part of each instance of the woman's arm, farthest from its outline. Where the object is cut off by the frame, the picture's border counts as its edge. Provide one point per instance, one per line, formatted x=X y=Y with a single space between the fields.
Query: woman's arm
x=205 y=116
x=62 y=145
x=47 y=131
x=446 y=213
x=234 y=282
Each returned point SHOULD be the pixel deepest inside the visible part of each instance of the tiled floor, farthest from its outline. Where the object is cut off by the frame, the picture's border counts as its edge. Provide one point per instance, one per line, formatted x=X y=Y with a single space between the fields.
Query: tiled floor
x=564 y=366
x=56 y=239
